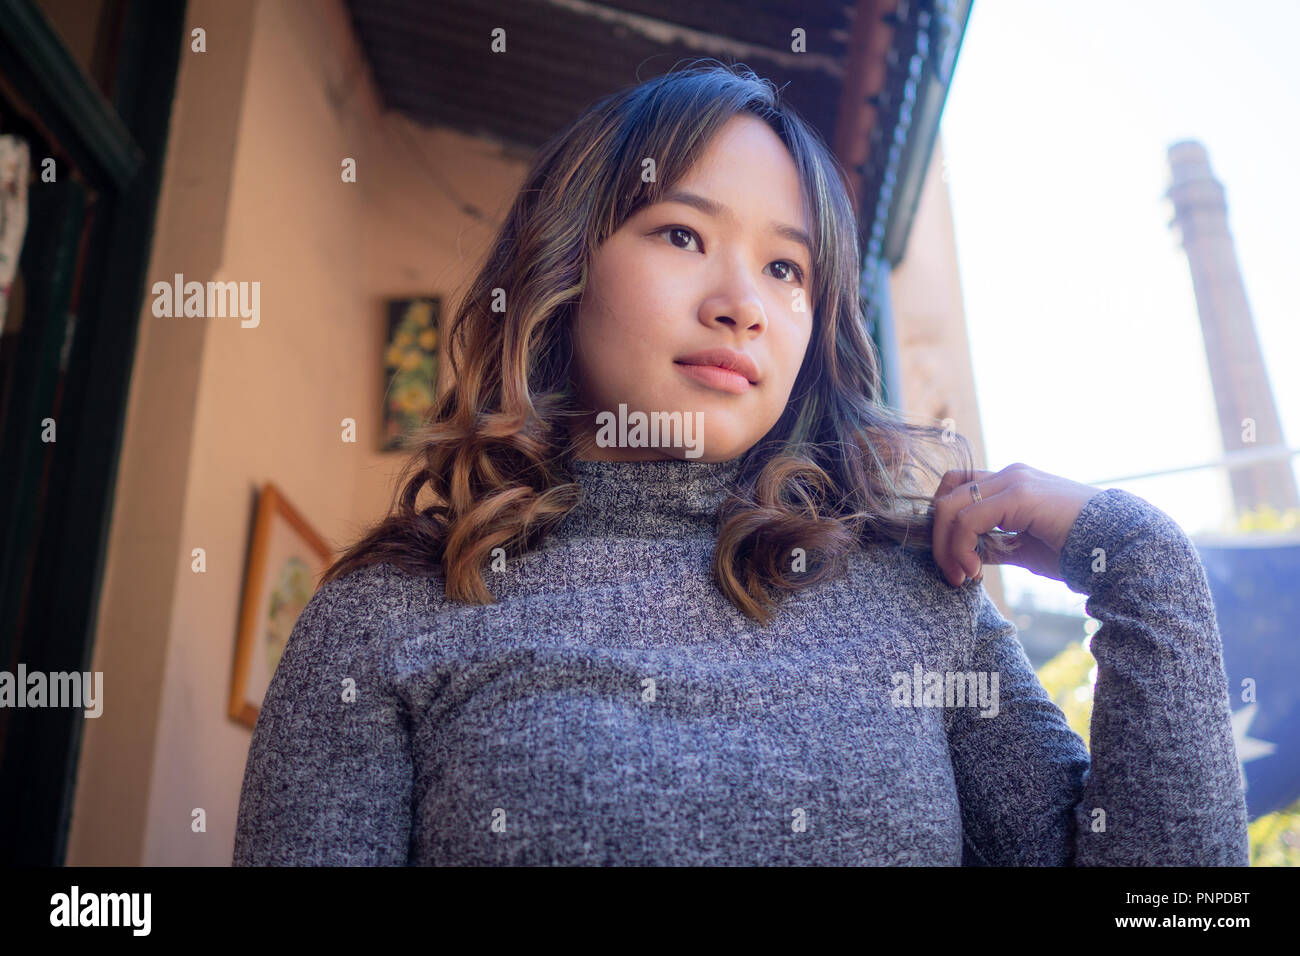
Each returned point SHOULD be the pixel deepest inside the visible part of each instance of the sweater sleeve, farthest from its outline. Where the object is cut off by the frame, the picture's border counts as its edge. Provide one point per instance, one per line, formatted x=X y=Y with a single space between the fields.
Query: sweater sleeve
x=1162 y=786
x=328 y=780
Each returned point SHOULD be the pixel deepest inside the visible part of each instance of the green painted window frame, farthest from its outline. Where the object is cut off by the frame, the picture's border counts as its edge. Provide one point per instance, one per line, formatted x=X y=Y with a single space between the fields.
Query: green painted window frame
x=118 y=145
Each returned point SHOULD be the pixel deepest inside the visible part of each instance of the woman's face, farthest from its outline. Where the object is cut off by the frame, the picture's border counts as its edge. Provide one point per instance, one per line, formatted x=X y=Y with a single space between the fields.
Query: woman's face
x=682 y=279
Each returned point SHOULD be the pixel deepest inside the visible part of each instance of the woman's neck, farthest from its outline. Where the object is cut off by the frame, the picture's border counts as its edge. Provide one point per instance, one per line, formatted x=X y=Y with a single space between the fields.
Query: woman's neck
x=665 y=497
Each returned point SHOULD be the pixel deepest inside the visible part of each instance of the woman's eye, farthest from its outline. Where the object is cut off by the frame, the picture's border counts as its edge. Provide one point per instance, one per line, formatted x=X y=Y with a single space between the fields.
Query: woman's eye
x=671 y=230
x=793 y=270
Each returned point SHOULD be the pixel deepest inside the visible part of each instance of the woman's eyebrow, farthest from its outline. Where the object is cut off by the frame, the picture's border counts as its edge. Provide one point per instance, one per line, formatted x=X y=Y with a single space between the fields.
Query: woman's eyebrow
x=711 y=207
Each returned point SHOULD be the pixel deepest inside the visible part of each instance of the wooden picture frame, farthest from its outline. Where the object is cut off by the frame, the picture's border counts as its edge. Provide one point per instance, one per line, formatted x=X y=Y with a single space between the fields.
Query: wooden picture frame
x=285 y=563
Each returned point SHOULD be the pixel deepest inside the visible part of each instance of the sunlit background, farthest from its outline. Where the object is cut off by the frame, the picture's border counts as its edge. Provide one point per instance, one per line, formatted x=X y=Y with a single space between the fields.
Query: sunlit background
x=1087 y=349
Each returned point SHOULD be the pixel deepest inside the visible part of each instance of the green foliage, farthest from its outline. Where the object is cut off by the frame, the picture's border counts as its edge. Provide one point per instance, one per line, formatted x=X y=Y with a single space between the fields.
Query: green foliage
x=1275 y=839
x=1269 y=519
x=1066 y=677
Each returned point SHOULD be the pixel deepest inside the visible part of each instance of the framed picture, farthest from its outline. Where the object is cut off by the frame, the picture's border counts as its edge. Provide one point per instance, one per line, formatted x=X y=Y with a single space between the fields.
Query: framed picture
x=285 y=562
x=411 y=360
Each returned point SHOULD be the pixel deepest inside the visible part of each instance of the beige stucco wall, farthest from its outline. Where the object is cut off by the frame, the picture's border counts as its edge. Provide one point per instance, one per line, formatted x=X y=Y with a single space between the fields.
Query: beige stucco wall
x=930 y=322
x=252 y=192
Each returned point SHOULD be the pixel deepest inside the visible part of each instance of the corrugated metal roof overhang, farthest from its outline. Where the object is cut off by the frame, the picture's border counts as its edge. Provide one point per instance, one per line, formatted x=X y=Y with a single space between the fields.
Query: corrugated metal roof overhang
x=433 y=60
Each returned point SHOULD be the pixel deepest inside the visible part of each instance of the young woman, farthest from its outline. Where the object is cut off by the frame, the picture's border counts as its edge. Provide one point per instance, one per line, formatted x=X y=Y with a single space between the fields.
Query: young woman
x=680 y=593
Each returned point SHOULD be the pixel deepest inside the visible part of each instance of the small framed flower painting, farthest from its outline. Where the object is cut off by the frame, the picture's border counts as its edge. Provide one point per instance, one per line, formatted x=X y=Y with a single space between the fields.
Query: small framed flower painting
x=411 y=363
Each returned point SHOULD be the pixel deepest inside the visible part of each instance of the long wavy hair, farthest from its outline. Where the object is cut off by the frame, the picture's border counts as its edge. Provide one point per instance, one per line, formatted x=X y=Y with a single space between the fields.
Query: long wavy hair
x=839 y=469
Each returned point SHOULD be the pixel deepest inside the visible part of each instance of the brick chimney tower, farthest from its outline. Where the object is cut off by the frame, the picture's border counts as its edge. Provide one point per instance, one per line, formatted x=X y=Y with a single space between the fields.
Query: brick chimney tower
x=1237 y=372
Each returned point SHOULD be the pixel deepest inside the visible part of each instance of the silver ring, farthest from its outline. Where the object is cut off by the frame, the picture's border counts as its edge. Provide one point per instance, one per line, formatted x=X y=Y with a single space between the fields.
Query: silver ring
x=975 y=490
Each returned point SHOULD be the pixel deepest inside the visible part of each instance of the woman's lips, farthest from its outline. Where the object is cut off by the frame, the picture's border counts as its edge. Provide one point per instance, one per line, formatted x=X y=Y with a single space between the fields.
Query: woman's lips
x=714 y=376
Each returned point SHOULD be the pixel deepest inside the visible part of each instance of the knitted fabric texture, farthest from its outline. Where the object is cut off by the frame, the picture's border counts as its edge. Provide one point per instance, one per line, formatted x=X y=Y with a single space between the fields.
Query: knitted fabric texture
x=613 y=708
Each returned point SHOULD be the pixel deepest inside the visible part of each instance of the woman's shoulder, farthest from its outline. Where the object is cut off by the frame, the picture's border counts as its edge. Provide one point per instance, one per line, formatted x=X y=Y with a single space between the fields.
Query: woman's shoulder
x=912 y=565
x=378 y=596
x=906 y=583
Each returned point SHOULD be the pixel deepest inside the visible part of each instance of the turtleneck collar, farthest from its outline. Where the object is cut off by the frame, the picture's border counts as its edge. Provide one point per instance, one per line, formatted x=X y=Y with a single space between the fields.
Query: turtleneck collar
x=648 y=499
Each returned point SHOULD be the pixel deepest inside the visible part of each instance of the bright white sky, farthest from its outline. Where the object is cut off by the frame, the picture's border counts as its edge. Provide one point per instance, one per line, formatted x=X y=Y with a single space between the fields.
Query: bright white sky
x=1087 y=348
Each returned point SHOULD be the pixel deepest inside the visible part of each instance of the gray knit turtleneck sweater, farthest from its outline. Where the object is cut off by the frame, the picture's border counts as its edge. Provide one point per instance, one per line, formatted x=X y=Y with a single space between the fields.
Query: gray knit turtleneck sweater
x=614 y=708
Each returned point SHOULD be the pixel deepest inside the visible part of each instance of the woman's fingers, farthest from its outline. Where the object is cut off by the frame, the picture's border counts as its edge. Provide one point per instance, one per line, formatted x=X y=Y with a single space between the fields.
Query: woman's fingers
x=952 y=495
x=1039 y=508
x=999 y=510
